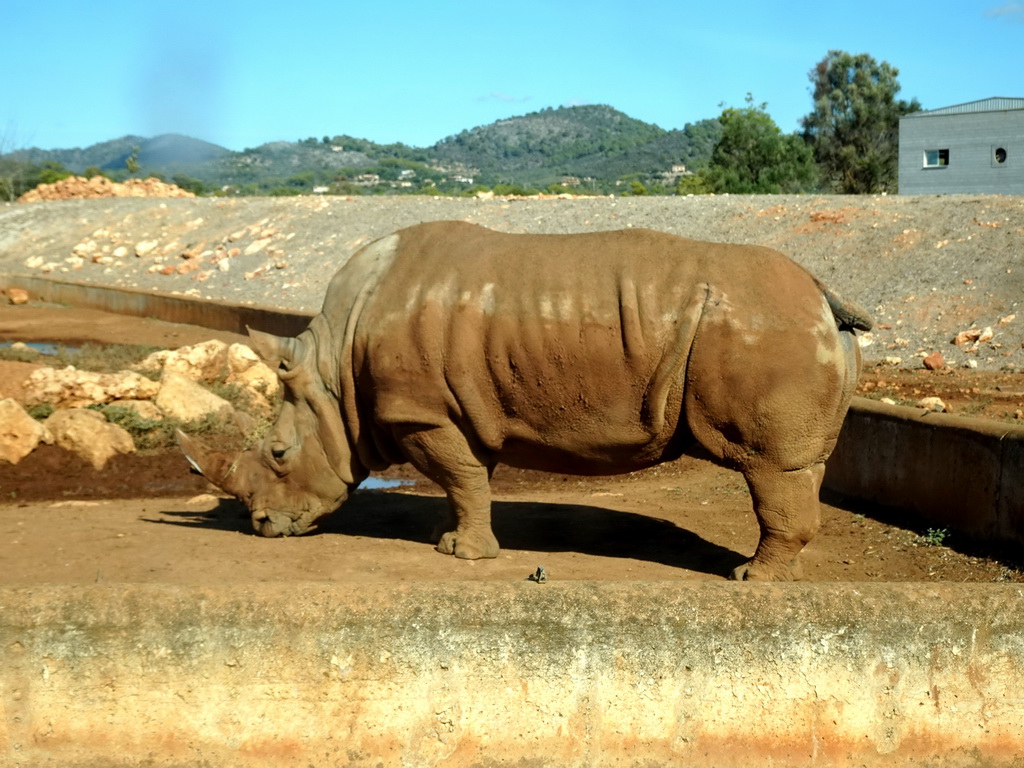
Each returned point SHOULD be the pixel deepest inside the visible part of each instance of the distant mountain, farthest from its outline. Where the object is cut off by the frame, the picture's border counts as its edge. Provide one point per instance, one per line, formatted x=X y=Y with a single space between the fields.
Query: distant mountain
x=589 y=141
x=597 y=143
x=166 y=152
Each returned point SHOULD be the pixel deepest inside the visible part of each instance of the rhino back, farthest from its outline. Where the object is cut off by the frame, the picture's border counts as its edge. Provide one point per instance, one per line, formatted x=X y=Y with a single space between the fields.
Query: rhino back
x=565 y=350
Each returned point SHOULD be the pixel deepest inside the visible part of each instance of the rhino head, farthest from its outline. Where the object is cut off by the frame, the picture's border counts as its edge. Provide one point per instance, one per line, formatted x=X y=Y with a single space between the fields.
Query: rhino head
x=304 y=468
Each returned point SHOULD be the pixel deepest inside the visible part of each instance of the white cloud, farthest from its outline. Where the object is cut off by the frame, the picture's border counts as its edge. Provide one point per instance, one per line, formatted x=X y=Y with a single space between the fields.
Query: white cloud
x=1007 y=12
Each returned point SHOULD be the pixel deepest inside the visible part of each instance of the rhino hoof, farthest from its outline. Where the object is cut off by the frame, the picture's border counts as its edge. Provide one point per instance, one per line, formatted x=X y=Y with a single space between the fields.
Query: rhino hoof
x=752 y=571
x=468 y=546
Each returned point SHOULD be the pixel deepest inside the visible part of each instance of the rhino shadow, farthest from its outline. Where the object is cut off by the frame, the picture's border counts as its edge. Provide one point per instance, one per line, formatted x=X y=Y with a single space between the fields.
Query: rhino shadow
x=603 y=532
x=521 y=525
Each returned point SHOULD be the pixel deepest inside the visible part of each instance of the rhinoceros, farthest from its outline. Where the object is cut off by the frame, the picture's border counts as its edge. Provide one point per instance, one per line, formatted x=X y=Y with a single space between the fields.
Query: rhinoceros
x=454 y=347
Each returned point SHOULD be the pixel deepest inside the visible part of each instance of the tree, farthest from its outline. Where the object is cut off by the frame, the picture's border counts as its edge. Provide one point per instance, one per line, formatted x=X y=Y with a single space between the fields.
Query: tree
x=189 y=184
x=132 y=161
x=694 y=184
x=854 y=128
x=51 y=171
x=754 y=157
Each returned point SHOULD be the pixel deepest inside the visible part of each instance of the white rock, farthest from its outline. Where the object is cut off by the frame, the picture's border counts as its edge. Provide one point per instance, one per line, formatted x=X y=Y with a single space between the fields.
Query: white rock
x=182 y=398
x=256 y=378
x=966 y=337
x=70 y=388
x=85 y=249
x=19 y=432
x=145 y=247
x=255 y=247
x=200 y=362
x=155 y=360
x=932 y=404
x=89 y=435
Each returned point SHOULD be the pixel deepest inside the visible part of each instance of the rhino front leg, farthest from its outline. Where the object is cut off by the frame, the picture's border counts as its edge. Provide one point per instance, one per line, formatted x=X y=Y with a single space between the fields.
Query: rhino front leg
x=788 y=511
x=443 y=455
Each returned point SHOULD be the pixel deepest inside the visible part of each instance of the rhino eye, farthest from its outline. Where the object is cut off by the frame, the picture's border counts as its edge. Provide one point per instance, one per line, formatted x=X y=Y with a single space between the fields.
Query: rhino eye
x=278 y=451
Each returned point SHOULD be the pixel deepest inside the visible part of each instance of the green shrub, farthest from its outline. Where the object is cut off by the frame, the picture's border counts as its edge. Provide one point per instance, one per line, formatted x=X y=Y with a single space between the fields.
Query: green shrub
x=40 y=412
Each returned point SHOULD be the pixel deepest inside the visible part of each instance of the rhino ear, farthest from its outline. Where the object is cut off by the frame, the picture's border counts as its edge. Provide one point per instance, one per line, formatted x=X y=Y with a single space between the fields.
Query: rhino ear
x=275 y=350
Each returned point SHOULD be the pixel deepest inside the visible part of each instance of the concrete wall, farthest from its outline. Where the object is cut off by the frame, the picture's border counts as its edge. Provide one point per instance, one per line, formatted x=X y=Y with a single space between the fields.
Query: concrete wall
x=573 y=674
x=221 y=315
x=962 y=473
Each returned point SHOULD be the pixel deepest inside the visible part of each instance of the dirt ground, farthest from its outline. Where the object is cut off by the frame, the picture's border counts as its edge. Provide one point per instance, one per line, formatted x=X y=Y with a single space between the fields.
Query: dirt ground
x=146 y=519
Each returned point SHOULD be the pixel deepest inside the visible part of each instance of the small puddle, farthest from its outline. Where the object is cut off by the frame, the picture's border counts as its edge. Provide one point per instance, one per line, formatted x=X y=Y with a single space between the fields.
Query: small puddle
x=379 y=483
x=38 y=346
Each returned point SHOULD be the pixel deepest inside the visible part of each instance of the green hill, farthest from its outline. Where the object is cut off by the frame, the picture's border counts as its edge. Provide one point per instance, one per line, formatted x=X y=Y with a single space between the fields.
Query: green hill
x=595 y=144
x=591 y=141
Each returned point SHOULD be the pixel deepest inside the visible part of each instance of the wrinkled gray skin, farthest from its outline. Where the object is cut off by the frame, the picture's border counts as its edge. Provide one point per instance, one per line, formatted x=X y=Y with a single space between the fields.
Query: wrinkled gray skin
x=454 y=348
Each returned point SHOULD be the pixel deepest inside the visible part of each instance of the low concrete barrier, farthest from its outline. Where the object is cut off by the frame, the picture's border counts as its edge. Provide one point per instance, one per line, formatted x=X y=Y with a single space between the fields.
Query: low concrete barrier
x=468 y=674
x=964 y=473
x=219 y=315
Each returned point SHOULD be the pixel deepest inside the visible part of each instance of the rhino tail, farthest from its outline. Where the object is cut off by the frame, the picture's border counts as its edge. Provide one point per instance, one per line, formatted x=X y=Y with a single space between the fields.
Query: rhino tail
x=848 y=314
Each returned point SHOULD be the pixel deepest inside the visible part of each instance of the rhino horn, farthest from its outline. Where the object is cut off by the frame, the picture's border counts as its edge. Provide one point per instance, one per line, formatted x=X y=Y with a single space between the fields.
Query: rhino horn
x=274 y=350
x=216 y=466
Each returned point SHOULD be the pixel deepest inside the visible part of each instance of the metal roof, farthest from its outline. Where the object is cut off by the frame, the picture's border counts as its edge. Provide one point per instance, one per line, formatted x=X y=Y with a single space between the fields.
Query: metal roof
x=994 y=104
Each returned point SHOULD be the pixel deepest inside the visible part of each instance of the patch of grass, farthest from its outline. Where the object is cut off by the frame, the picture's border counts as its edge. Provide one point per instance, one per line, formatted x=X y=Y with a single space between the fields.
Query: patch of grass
x=101 y=358
x=147 y=433
x=233 y=393
x=108 y=358
x=28 y=355
x=933 y=537
x=154 y=434
x=975 y=407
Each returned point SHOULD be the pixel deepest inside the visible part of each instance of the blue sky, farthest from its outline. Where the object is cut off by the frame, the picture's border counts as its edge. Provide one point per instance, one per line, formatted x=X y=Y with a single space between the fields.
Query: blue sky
x=243 y=73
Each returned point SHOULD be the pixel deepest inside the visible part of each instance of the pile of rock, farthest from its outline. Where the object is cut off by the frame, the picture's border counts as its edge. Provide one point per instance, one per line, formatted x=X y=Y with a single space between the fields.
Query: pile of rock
x=179 y=394
x=75 y=187
x=113 y=249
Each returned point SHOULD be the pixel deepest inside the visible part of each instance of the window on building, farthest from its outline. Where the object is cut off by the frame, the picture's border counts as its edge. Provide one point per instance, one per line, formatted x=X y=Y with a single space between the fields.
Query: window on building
x=936 y=158
x=998 y=155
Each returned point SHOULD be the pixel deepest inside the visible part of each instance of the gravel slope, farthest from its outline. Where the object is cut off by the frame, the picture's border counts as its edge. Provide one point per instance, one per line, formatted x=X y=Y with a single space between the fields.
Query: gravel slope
x=927 y=267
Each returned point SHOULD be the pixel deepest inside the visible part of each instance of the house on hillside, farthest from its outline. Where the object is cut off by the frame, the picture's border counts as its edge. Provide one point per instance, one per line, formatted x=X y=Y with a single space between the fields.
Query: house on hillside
x=977 y=147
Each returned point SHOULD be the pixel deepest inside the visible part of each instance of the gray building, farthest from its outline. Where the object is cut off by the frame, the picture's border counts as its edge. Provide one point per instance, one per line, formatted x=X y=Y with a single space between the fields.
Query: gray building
x=977 y=147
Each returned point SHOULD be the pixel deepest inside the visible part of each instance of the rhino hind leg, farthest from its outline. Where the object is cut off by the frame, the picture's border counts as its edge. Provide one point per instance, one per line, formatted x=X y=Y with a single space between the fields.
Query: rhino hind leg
x=788 y=512
x=442 y=454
